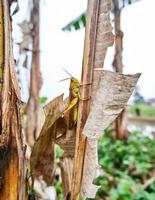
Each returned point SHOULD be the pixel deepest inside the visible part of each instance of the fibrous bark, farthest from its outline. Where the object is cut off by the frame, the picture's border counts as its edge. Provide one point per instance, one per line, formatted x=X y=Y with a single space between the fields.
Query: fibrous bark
x=12 y=163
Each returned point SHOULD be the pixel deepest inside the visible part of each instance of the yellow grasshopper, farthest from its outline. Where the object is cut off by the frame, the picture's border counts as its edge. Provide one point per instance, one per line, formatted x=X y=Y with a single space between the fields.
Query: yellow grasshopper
x=74 y=97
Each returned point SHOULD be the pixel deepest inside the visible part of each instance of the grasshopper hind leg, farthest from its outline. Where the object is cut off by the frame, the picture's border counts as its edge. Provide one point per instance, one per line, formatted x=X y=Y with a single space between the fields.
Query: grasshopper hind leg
x=75 y=114
x=70 y=106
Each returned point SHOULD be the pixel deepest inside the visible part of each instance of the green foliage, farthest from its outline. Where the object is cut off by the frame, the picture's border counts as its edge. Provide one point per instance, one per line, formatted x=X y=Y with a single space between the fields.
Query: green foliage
x=145 y=110
x=59 y=190
x=43 y=100
x=31 y=193
x=59 y=151
x=80 y=21
x=125 y=166
x=77 y=23
x=57 y=183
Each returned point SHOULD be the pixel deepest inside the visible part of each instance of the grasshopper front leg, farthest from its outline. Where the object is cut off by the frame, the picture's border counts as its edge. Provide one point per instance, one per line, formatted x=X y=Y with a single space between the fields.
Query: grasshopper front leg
x=83 y=99
x=79 y=96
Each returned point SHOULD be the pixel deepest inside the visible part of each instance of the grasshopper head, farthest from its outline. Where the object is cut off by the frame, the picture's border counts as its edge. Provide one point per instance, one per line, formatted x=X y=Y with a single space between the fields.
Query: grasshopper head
x=74 y=83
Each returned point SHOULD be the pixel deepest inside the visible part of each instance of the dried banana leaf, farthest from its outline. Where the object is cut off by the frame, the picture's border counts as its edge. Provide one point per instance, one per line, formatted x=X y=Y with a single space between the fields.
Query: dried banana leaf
x=104 y=35
x=111 y=91
x=88 y=190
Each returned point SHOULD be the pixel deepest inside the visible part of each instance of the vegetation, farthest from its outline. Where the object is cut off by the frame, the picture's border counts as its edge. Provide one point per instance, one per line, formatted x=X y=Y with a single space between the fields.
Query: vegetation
x=145 y=109
x=126 y=167
x=80 y=21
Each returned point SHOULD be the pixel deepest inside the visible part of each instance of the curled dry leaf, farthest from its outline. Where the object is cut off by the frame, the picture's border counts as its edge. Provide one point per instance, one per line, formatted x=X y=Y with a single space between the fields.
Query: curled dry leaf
x=25 y=27
x=54 y=131
x=27 y=36
x=42 y=157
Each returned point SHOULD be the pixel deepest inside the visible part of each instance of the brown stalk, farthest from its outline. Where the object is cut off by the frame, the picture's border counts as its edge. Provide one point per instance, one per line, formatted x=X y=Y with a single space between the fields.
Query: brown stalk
x=35 y=78
x=120 y=123
x=84 y=106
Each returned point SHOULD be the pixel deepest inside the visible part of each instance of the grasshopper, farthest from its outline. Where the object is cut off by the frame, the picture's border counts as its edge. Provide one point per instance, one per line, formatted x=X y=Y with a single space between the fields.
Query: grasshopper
x=74 y=97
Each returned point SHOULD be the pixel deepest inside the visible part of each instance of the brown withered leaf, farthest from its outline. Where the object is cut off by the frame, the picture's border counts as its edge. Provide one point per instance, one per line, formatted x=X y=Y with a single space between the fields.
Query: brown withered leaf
x=54 y=131
x=27 y=36
x=66 y=165
x=67 y=142
x=42 y=157
x=24 y=45
x=25 y=27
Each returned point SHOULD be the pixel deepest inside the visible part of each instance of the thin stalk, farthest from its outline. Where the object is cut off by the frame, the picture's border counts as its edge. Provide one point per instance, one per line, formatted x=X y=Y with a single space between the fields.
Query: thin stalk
x=35 y=78
x=120 y=123
x=84 y=106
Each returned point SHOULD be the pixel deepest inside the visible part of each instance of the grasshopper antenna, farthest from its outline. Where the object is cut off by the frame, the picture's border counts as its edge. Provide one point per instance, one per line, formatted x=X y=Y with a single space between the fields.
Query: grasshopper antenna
x=67 y=72
x=64 y=79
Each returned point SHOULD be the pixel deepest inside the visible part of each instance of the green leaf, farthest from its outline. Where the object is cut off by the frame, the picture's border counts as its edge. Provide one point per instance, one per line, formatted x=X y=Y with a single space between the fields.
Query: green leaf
x=43 y=100
x=75 y=24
